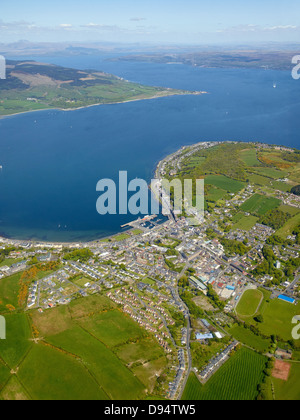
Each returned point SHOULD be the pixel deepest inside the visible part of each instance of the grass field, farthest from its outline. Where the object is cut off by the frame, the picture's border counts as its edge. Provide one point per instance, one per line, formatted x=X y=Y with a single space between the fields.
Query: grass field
x=289 y=209
x=17 y=344
x=112 y=328
x=224 y=183
x=243 y=372
x=260 y=205
x=14 y=391
x=215 y=194
x=9 y=289
x=259 y=180
x=48 y=374
x=245 y=222
x=249 y=303
x=289 y=390
x=250 y=157
x=277 y=316
x=289 y=227
x=270 y=172
x=87 y=350
x=248 y=338
x=117 y=381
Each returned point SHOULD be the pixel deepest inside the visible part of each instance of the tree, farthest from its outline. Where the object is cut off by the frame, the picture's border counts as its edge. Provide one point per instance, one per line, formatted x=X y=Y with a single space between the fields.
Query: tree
x=259 y=319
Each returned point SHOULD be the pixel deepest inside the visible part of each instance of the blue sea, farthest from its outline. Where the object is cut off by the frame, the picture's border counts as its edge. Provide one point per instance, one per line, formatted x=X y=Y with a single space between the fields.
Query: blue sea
x=52 y=160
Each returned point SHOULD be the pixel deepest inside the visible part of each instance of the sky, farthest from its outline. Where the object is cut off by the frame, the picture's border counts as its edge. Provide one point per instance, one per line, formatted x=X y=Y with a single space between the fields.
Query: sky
x=151 y=21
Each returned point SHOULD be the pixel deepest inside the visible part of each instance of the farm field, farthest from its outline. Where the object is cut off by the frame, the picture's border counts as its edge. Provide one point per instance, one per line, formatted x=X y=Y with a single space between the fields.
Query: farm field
x=249 y=303
x=17 y=344
x=270 y=172
x=289 y=227
x=14 y=391
x=259 y=180
x=250 y=157
x=224 y=183
x=87 y=350
x=9 y=289
x=215 y=194
x=112 y=328
x=289 y=209
x=48 y=374
x=260 y=205
x=243 y=371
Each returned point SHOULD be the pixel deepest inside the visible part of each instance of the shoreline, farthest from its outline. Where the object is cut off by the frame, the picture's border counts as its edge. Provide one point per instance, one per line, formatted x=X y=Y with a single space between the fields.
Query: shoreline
x=156 y=172
x=101 y=104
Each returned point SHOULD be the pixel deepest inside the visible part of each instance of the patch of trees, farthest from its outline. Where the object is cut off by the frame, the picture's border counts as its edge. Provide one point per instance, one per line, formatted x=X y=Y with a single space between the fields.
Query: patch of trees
x=82 y=255
x=296 y=190
x=291 y=157
x=4 y=253
x=214 y=298
x=268 y=266
x=275 y=219
x=195 y=311
x=233 y=247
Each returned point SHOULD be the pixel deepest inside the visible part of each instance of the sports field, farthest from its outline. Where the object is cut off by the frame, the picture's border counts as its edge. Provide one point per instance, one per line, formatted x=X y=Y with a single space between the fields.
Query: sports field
x=249 y=303
x=243 y=371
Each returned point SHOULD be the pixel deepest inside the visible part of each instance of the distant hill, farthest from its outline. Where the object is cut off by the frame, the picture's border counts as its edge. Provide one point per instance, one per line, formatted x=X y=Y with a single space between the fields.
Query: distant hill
x=31 y=86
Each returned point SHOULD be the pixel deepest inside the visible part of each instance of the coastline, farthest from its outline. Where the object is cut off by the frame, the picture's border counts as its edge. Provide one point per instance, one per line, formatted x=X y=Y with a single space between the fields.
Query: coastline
x=157 y=175
x=101 y=104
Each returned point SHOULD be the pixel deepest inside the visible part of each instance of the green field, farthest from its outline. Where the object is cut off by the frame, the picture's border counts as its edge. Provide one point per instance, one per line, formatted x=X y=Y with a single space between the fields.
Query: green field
x=289 y=227
x=278 y=317
x=270 y=173
x=289 y=209
x=117 y=381
x=259 y=180
x=247 y=337
x=260 y=205
x=48 y=374
x=249 y=303
x=9 y=289
x=14 y=391
x=87 y=350
x=290 y=390
x=215 y=194
x=236 y=380
x=112 y=328
x=245 y=222
x=250 y=157
x=224 y=183
x=17 y=344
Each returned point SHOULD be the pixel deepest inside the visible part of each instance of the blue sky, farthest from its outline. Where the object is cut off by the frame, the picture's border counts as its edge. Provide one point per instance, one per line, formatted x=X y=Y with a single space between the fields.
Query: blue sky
x=151 y=21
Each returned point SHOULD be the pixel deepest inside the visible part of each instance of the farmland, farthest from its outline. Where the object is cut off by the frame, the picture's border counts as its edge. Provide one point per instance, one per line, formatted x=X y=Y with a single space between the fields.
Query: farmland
x=243 y=372
x=88 y=350
x=224 y=183
x=260 y=205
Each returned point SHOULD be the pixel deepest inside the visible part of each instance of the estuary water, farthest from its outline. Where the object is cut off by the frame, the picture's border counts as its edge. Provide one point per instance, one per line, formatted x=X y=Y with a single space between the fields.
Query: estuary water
x=52 y=160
